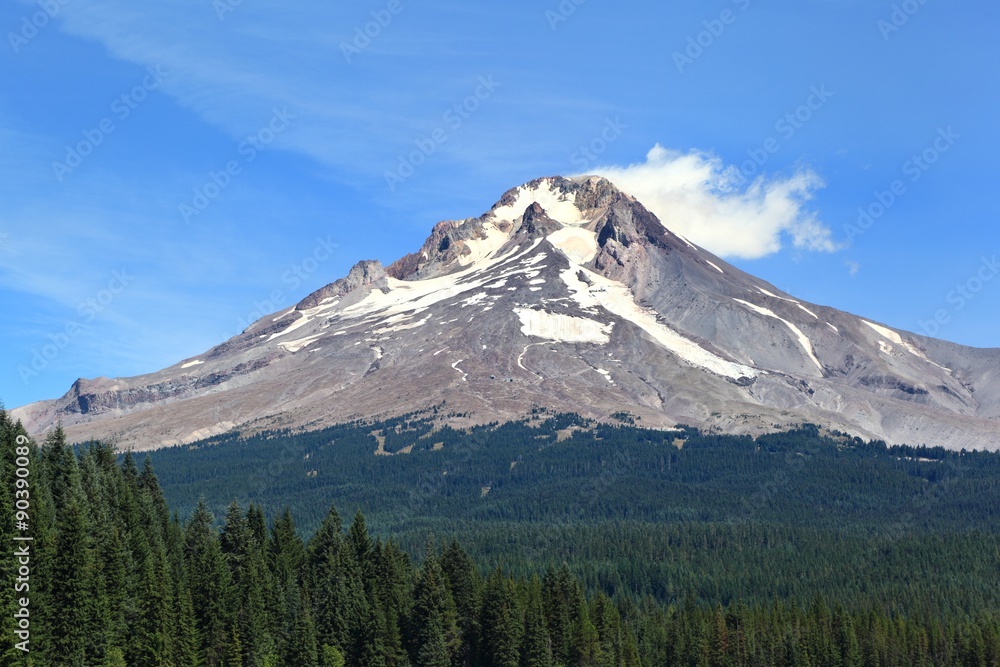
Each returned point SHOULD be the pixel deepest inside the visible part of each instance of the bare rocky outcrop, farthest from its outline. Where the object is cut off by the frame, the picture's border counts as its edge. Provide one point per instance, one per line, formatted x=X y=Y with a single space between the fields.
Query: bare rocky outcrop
x=365 y=274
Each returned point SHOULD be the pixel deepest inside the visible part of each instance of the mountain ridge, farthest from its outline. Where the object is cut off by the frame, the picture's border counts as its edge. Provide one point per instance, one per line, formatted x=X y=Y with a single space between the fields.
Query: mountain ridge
x=570 y=294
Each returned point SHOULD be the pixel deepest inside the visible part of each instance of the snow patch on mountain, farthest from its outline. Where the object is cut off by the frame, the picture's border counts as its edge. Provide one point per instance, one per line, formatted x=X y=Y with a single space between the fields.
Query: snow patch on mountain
x=407 y=296
x=557 y=204
x=483 y=248
x=715 y=267
x=689 y=244
x=297 y=324
x=894 y=337
x=296 y=345
x=579 y=245
x=807 y=310
x=803 y=340
x=402 y=326
x=616 y=298
x=563 y=328
x=775 y=296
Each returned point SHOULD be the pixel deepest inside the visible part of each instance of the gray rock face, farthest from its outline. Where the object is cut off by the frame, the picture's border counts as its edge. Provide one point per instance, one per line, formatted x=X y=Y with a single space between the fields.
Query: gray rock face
x=365 y=274
x=567 y=294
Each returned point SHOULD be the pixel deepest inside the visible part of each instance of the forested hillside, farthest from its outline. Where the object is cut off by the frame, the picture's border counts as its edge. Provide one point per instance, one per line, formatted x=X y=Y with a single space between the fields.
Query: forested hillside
x=115 y=580
x=640 y=511
x=558 y=468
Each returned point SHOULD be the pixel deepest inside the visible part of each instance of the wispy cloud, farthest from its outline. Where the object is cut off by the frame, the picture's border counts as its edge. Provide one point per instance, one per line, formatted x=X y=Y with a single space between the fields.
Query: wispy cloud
x=712 y=204
x=355 y=118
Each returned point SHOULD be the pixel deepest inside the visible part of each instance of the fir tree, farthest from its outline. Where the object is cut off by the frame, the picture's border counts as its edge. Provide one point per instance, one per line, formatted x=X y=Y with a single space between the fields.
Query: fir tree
x=430 y=617
x=536 y=650
x=71 y=602
x=464 y=583
x=286 y=553
x=501 y=624
x=301 y=649
x=211 y=587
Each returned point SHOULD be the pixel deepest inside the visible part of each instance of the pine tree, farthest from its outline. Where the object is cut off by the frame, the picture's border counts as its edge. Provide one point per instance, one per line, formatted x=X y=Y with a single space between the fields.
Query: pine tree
x=185 y=639
x=604 y=615
x=149 y=485
x=247 y=562
x=113 y=561
x=150 y=632
x=211 y=587
x=719 y=643
x=559 y=590
x=501 y=624
x=465 y=585
x=369 y=648
x=72 y=570
x=361 y=544
x=536 y=650
x=429 y=616
x=586 y=643
x=301 y=649
x=286 y=554
x=323 y=576
x=847 y=640
x=256 y=624
x=393 y=576
x=234 y=656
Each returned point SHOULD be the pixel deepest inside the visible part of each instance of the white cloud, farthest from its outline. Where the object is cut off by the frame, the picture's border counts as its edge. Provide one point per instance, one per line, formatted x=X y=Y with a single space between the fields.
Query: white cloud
x=712 y=204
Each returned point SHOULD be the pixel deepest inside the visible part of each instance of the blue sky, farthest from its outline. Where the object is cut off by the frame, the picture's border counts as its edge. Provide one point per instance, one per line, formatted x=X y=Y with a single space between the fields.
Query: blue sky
x=168 y=170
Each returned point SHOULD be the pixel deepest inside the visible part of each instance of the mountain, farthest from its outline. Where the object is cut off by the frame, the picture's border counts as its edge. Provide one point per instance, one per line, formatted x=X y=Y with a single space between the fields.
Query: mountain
x=570 y=295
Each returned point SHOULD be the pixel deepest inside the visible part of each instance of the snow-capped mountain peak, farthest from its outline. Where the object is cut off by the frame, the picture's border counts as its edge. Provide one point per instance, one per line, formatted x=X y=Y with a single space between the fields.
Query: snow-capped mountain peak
x=567 y=293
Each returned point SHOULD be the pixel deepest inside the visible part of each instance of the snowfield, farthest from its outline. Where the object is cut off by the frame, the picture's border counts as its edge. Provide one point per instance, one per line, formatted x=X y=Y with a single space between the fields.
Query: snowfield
x=562 y=328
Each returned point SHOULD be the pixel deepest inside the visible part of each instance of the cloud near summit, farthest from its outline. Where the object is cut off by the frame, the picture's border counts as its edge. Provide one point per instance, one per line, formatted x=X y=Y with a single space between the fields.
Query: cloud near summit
x=715 y=206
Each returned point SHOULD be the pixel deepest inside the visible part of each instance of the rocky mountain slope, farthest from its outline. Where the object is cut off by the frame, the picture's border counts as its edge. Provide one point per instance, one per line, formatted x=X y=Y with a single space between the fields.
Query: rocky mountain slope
x=567 y=294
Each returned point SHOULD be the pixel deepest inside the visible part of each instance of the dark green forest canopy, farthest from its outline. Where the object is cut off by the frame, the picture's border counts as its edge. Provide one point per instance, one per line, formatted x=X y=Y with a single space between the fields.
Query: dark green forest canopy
x=118 y=581
x=902 y=577
x=724 y=517
x=564 y=469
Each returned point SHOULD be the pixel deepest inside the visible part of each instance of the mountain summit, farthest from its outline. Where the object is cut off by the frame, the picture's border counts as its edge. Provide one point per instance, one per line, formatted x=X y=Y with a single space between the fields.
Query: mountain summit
x=570 y=295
